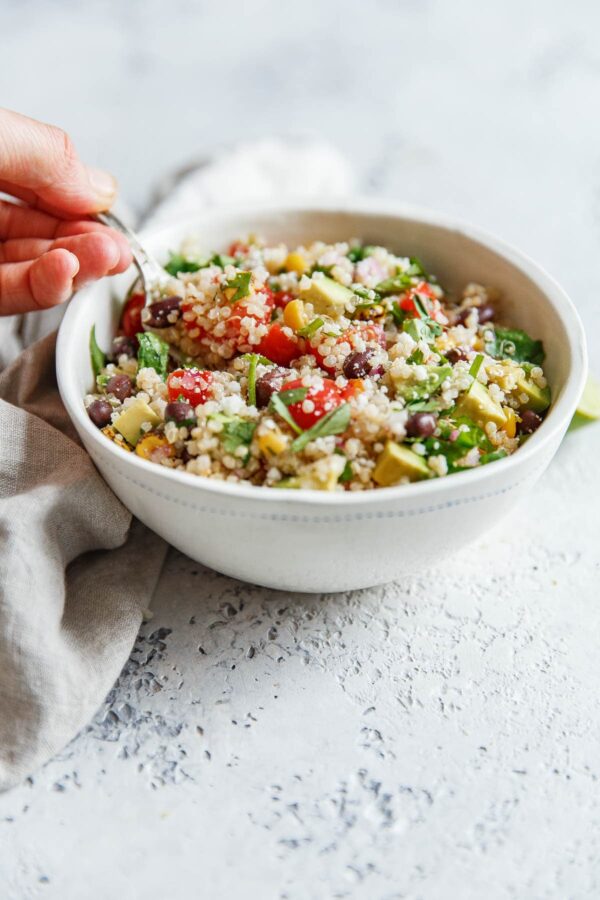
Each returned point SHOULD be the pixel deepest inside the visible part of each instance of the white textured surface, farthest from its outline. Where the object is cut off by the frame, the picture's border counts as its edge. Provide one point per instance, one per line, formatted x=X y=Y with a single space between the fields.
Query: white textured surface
x=431 y=739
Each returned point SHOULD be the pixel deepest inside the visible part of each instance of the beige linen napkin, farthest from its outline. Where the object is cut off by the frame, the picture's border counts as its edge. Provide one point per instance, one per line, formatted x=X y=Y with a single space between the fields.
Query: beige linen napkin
x=69 y=610
x=72 y=588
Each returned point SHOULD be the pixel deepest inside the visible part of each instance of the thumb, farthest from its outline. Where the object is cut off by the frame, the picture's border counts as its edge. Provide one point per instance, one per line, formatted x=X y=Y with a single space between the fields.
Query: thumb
x=41 y=158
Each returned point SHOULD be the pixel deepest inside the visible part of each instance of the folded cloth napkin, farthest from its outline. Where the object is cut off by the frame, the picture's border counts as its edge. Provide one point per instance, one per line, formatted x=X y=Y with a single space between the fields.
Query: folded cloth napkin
x=72 y=592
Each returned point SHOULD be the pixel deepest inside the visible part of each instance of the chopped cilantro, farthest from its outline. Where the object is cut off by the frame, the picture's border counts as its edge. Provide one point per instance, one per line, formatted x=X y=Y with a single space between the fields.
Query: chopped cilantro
x=355 y=254
x=153 y=353
x=97 y=356
x=335 y=422
x=237 y=432
x=436 y=375
x=241 y=283
x=222 y=260
x=178 y=263
x=347 y=473
x=512 y=343
x=416 y=357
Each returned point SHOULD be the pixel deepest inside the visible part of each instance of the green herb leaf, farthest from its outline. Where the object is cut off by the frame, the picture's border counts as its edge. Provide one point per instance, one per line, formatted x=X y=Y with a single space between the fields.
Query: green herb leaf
x=347 y=473
x=512 y=343
x=369 y=295
x=241 y=283
x=396 y=285
x=102 y=381
x=237 y=432
x=493 y=456
x=476 y=365
x=280 y=402
x=311 y=328
x=436 y=375
x=153 y=353
x=178 y=263
x=261 y=359
x=417 y=268
x=355 y=254
x=252 y=378
x=335 y=422
x=416 y=358
x=97 y=356
x=222 y=260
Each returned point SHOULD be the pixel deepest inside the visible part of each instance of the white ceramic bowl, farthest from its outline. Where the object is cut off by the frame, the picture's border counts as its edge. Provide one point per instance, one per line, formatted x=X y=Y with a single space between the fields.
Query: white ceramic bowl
x=311 y=541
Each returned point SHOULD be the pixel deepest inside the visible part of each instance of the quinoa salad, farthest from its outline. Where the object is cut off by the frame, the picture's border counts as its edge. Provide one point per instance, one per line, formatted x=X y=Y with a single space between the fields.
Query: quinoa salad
x=338 y=367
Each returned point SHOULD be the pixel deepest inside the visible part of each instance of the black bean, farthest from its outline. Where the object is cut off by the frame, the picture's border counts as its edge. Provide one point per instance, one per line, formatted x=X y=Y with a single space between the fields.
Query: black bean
x=456 y=355
x=122 y=345
x=100 y=412
x=161 y=312
x=358 y=364
x=463 y=315
x=120 y=386
x=180 y=412
x=530 y=422
x=421 y=425
x=485 y=313
x=268 y=384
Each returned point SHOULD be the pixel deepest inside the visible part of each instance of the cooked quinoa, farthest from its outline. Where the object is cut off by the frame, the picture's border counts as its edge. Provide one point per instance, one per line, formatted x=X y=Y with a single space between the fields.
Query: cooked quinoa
x=327 y=366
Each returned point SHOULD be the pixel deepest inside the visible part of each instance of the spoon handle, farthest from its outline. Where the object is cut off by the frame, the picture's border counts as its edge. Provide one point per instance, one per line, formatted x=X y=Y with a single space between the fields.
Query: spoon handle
x=152 y=273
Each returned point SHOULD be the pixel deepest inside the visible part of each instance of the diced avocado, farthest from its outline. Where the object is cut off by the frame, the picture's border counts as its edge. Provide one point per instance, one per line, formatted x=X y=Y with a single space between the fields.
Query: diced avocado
x=327 y=296
x=130 y=422
x=477 y=404
x=538 y=399
x=396 y=462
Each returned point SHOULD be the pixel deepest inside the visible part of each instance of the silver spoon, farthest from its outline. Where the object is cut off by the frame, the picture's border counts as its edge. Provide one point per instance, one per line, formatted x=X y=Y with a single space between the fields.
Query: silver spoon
x=153 y=275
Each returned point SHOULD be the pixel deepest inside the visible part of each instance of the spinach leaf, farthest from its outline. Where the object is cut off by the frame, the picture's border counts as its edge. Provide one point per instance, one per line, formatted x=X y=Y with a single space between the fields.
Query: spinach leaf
x=335 y=422
x=153 y=353
x=97 y=356
x=512 y=343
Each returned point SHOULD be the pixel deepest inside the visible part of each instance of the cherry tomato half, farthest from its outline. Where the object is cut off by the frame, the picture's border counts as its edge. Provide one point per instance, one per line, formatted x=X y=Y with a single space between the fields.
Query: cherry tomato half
x=193 y=385
x=279 y=347
x=131 y=317
x=323 y=397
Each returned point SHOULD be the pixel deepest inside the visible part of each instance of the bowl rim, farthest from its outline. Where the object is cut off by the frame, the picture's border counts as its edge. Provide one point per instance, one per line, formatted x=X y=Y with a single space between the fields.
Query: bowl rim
x=557 y=421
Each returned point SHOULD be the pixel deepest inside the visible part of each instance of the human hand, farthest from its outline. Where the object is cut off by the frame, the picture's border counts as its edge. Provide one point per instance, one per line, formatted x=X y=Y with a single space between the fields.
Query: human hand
x=48 y=247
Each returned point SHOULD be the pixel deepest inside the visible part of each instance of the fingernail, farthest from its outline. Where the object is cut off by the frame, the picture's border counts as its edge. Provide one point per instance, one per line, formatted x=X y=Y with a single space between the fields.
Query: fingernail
x=103 y=184
x=74 y=264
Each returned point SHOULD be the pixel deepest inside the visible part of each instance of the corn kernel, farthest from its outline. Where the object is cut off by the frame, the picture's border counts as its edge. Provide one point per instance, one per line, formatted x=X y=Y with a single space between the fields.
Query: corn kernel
x=294 y=315
x=272 y=443
x=153 y=446
x=295 y=262
x=511 y=421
